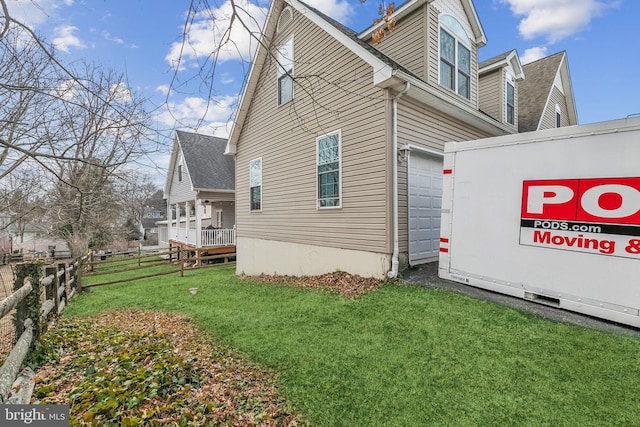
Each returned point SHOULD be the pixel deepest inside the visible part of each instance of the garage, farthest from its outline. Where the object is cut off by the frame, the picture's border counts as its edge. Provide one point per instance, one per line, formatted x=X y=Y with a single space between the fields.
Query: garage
x=425 y=202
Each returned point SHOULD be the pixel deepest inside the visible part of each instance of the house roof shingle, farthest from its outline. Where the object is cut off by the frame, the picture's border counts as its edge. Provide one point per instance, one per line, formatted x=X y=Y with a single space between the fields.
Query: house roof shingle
x=208 y=167
x=494 y=60
x=535 y=88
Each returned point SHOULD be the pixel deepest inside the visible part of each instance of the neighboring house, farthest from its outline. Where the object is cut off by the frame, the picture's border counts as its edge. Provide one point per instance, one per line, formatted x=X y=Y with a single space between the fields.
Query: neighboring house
x=149 y=230
x=338 y=141
x=200 y=194
x=548 y=93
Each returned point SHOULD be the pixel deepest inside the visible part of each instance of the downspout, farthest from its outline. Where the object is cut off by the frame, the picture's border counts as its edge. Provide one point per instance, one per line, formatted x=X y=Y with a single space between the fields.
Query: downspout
x=393 y=273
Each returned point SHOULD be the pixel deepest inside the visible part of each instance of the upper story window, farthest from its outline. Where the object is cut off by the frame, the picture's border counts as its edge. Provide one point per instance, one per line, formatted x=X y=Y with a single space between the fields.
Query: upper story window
x=558 y=116
x=328 y=168
x=455 y=57
x=285 y=72
x=255 y=184
x=179 y=167
x=511 y=103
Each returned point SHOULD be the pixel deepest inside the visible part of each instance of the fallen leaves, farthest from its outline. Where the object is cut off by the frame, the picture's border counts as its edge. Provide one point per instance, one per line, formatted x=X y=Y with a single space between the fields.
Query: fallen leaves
x=140 y=367
x=349 y=285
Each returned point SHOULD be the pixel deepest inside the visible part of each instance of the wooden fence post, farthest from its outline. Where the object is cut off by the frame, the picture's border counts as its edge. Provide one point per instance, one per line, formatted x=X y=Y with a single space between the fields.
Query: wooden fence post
x=30 y=306
x=77 y=271
x=181 y=258
x=21 y=307
x=51 y=290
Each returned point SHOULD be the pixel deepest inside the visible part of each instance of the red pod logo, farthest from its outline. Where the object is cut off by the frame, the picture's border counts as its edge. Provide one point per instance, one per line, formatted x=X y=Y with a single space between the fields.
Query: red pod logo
x=603 y=200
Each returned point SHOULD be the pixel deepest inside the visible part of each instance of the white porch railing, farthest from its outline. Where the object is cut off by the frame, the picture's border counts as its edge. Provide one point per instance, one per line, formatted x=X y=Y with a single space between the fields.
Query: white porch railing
x=220 y=237
x=209 y=237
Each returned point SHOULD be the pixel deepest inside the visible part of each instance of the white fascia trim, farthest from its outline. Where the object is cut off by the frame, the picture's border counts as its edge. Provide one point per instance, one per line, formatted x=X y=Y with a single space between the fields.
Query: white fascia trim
x=213 y=190
x=565 y=75
x=510 y=60
x=449 y=106
x=172 y=166
x=381 y=70
x=252 y=81
x=418 y=149
x=476 y=25
x=400 y=13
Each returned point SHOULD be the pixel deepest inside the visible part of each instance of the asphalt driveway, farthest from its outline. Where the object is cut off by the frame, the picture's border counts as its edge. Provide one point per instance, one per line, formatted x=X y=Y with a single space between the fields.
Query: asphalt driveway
x=427 y=275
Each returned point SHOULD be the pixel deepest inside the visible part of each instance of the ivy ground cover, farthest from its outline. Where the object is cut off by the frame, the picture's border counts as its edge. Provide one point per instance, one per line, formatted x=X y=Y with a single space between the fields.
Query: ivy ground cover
x=399 y=355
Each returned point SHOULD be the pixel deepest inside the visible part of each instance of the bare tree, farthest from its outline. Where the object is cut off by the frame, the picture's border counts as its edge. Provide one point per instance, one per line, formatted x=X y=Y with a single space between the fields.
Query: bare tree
x=26 y=79
x=21 y=201
x=133 y=193
x=229 y=23
x=105 y=128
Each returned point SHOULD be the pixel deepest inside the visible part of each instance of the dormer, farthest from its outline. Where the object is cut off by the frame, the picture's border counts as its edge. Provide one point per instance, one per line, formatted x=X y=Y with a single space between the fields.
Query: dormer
x=499 y=78
x=437 y=41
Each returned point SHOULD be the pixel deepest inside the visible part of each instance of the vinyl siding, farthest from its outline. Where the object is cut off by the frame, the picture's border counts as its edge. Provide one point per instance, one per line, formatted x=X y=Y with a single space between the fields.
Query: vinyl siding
x=491 y=88
x=517 y=103
x=428 y=129
x=334 y=91
x=181 y=191
x=407 y=43
x=548 y=120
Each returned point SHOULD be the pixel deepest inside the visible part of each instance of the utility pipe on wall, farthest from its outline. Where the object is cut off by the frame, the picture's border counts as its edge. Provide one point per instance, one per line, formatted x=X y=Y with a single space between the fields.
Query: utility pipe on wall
x=393 y=273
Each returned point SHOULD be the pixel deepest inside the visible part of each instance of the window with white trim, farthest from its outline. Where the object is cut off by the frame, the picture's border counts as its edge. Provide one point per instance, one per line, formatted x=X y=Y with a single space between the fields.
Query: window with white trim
x=285 y=72
x=558 y=116
x=511 y=103
x=455 y=57
x=328 y=161
x=255 y=184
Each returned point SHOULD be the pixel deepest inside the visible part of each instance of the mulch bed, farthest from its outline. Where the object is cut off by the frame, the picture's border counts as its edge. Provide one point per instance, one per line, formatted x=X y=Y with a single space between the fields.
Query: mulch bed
x=349 y=285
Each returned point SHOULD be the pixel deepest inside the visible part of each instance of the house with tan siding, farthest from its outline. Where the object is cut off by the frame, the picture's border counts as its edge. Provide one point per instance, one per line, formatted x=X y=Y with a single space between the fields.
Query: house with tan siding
x=338 y=140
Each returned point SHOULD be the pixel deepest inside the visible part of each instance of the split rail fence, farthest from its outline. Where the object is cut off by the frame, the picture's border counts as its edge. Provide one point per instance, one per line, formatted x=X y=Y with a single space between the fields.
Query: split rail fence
x=40 y=292
x=144 y=265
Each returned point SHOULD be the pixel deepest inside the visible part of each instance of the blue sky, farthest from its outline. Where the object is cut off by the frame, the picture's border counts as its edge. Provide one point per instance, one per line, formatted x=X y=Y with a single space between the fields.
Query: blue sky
x=139 y=37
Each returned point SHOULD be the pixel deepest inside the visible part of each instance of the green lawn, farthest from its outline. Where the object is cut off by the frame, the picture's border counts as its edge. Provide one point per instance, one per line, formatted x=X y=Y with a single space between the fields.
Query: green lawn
x=402 y=355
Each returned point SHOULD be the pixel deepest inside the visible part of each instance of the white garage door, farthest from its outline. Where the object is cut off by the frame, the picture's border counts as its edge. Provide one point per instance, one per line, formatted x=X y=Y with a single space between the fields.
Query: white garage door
x=425 y=203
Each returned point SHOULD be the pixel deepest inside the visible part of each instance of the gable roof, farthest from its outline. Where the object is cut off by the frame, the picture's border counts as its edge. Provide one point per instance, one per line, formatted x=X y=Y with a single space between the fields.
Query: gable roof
x=409 y=6
x=386 y=72
x=537 y=87
x=510 y=58
x=206 y=165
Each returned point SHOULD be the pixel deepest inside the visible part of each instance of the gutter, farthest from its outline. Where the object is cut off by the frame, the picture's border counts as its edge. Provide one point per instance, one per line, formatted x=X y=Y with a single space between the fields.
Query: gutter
x=393 y=273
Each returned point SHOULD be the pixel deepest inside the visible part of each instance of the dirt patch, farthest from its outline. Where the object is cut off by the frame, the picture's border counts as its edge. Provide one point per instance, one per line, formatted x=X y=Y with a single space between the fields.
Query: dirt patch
x=349 y=285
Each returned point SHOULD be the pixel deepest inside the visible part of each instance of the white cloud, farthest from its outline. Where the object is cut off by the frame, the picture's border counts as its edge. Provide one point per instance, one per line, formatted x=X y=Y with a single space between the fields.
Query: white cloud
x=32 y=13
x=338 y=10
x=194 y=112
x=107 y=35
x=555 y=19
x=533 y=54
x=209 y=35
x=120 y=92
x=65 y=39
x=164 y=89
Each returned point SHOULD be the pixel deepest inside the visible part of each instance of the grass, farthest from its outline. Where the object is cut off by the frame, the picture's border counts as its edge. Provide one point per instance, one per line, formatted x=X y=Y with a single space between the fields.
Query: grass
x=402 y=355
